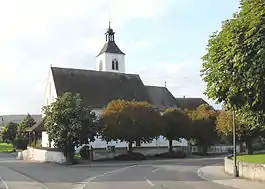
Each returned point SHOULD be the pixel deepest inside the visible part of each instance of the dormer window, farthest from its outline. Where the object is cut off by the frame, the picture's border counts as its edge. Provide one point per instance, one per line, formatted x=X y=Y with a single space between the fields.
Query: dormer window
x=115 y=64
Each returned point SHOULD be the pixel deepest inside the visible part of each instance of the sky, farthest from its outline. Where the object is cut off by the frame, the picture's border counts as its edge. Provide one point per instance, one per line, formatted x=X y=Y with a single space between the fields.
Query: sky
x=164 y=40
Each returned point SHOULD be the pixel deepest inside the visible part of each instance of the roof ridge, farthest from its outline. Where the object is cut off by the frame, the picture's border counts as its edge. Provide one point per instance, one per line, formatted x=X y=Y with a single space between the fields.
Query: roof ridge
x=95 y=71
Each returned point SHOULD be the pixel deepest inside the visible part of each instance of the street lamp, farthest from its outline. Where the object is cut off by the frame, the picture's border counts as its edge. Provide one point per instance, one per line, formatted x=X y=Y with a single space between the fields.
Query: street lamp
x=234 y=144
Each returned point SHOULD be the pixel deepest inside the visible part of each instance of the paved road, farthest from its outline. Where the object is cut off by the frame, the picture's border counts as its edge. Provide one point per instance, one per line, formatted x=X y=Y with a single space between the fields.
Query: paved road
x=163 y=174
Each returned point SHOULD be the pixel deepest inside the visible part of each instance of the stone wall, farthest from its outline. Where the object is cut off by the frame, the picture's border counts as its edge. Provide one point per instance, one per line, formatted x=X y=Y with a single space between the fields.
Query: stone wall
x=103 y=153
x=42 y=155
x=251 y=171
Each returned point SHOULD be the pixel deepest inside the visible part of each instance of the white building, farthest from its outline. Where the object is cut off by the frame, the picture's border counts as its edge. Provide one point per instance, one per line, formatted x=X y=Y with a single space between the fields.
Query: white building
x=110 y=81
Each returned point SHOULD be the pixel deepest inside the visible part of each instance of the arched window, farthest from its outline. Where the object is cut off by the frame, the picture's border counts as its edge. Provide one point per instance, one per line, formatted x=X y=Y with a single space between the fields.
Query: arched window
x=115 y=64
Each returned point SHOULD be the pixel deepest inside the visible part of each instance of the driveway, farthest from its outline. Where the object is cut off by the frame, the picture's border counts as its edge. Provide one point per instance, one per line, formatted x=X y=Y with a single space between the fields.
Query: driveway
x=166 y=174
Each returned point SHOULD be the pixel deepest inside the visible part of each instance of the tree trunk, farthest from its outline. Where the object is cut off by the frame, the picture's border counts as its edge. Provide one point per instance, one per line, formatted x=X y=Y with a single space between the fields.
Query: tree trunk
x=170 y=142
x=130 y=147
x=249 y=148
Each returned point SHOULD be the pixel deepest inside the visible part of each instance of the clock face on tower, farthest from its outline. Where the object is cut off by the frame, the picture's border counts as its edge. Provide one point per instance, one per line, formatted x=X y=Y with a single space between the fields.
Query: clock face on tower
x=115 y=64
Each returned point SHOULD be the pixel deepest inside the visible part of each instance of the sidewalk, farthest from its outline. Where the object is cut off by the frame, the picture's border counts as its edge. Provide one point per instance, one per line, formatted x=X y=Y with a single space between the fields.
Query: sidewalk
x=216 y=174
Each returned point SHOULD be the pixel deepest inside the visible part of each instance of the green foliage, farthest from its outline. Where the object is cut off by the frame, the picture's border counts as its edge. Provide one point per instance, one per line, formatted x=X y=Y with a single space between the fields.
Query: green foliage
x=6 y=148
x=233 y=66
x=203 y=127
x=22 y=137
x=9 y=133
x=245 y=132
x=69 y=123
x=85 y=152
x=130 y=121
x=21 y=143
x=255 y=158
x=26 y=123
x=176 y=125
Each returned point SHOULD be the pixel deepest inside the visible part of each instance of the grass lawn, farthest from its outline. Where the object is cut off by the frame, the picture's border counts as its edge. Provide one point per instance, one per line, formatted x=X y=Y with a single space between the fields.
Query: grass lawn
x=4 y=147
x=77 y=156
x=255 y=158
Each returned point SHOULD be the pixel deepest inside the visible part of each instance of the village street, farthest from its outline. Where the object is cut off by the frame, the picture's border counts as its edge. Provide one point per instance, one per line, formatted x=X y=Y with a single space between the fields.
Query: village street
x=179 y=173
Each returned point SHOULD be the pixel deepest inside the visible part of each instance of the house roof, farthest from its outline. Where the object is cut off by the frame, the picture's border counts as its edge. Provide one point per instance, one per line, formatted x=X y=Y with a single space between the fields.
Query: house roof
x=16 y=118
x=97 y=88
x=160 y=97
x=189 y=103
x=110 y=47
x=37 y=127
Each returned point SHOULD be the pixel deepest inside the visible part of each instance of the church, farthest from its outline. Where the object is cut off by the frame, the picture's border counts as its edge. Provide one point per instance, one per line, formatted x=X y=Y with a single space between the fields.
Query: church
x=109 y=82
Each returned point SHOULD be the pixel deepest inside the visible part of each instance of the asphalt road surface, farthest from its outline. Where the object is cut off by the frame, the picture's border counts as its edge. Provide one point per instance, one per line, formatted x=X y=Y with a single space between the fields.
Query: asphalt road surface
x=160 y=174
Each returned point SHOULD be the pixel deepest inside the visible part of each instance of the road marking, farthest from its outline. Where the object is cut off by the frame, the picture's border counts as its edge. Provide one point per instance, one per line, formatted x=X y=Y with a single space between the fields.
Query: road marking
x=149 y=182
x=199 y=173
x=82 y=184
x=155 y=170
x=4 y=182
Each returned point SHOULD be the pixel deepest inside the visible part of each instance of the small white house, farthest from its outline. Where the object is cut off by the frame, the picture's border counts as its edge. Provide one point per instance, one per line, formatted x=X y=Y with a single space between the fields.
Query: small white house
x=110 y=81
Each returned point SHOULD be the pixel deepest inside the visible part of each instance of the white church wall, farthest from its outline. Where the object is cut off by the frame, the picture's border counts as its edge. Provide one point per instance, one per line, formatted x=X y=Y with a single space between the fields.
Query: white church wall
x=50 y=93
x=44 y=139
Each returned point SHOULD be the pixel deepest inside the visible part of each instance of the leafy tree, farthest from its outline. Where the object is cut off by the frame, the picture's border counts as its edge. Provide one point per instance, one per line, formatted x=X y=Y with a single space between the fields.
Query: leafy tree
x=176 y=125
x=26 y=123
x=233 y=66
x=130 y=121
x=245 y=133
x=9 y=132
x=69 y=123
x=22 y=138
x=203 y=128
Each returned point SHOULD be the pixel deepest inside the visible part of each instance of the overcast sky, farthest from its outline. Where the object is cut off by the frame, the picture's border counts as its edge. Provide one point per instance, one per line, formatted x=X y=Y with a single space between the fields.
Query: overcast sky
x=164 y=40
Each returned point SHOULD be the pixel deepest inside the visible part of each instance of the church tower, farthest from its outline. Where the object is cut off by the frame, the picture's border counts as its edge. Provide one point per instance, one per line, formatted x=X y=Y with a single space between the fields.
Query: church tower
x=111 y=58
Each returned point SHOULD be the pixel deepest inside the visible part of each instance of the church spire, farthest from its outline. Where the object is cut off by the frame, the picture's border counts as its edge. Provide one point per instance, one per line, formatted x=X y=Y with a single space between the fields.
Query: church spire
x=110 y=34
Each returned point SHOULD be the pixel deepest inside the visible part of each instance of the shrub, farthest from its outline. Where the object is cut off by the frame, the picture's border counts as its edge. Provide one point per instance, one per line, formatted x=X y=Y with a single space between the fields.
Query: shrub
x=84 y=152
x=130 y=156
x=21 y=143
x=172 y=155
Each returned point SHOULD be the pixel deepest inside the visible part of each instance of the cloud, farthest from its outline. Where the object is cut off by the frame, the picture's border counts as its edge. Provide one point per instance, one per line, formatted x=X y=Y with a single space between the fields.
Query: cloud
x=181 y=79
x=37 y=34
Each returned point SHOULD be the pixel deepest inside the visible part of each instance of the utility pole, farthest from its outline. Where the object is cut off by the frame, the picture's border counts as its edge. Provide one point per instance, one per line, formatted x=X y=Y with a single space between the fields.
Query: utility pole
x=234 y=144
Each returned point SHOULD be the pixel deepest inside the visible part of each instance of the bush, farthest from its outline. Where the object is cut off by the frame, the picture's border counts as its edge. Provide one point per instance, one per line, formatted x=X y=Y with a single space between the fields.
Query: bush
x=21 y=143
x=130 y=156
x=36 y=145
x=84 y=152
x=172 y=155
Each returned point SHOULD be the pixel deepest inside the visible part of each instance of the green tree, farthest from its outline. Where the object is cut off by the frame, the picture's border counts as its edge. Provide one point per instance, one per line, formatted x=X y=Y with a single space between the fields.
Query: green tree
x=245 y=133
x=130 y=121
x=70 y=124
x=176 y=125
x=203 y=127
x=9 y=133
x=233 y=66
x=26 y=123
x=22 y=138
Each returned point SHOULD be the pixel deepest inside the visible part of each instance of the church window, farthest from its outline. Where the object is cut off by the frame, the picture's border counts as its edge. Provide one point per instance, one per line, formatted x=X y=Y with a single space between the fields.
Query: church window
x=115 y=64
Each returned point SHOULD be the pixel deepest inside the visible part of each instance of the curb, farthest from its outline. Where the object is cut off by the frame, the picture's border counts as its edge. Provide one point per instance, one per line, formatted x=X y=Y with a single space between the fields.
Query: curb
x=3 y=184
